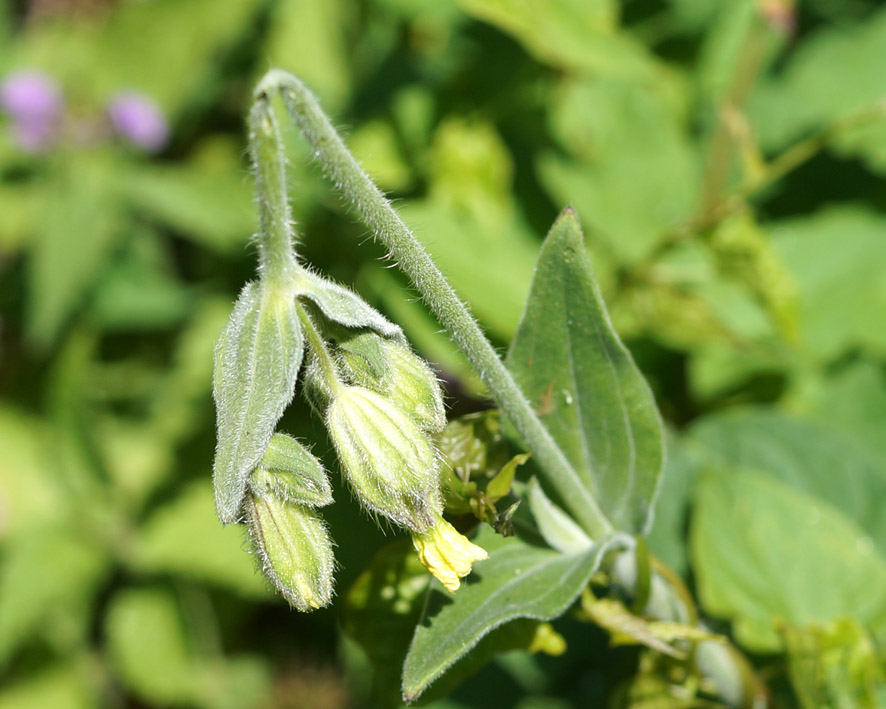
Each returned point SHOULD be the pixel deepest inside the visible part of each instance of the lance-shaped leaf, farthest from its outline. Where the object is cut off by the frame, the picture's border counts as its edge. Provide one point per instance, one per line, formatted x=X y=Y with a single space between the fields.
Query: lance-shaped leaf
x=571 y=364
x=257 y=359
x=516 y=581
x=342 y=305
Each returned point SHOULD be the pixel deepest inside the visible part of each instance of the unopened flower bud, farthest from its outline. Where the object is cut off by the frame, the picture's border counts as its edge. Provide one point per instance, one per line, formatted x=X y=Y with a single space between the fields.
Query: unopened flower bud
x=389 y=367
x=446 y=553
x=386 y=457
x=291 y=473
x=294 y=548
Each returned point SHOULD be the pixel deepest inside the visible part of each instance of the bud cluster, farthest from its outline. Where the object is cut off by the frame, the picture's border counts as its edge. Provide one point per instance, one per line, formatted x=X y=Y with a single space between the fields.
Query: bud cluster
x=380 y=402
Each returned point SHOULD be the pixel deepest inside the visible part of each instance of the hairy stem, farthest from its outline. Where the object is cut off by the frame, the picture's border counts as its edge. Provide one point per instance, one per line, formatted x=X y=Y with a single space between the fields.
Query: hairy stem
x=378 y=214
x=275 y=244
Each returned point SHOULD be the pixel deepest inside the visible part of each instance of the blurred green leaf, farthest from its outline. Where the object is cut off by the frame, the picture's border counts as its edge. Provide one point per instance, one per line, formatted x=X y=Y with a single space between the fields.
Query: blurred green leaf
x=149 y=647
x=76 y=236
x=30 y=495
x=470 y=221
x=47 y=580
x=195 y=35
x=809 y=457
x=213 y=554
x=381 y=611
x=570 y=34
x=375 y=147
x=765 y=553
x=854 y=401
x=667 y=537
x=583 y=382
x=630 y=170
x=515 y=582
x=837 y=257
x=812 y=91
x=139 y=290
x=154 y=648
x=311 y=40
x=205 y=199
x=834 y=665
x=64 y=686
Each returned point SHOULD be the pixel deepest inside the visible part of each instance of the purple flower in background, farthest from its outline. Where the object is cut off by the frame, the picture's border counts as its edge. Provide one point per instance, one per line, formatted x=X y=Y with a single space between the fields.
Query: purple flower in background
x=34 y=103
x=139 y=119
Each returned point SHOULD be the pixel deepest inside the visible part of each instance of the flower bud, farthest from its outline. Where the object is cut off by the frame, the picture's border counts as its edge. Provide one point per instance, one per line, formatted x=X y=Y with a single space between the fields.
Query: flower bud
x=294 y=548
x=386 y=457
x=291 y=473
x=446 y=553
x=389 y=367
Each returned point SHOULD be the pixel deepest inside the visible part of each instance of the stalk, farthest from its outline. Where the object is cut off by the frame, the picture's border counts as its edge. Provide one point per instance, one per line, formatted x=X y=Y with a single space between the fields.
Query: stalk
x=436 y=292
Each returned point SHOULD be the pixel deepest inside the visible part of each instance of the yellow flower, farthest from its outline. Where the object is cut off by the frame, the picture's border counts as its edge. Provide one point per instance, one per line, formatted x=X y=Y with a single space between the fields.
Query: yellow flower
x=447 y=554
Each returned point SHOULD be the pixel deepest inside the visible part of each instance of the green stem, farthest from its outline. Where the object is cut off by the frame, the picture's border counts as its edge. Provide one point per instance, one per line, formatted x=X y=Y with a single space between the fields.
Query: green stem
x=318 y=347
x=276 y=254
x=375 y=210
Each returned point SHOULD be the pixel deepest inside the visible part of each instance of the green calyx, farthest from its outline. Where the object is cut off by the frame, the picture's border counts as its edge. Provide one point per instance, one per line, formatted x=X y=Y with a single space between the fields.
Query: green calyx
x=294 y=549
x=386 y=457
x=390 y=368
x=290 y=472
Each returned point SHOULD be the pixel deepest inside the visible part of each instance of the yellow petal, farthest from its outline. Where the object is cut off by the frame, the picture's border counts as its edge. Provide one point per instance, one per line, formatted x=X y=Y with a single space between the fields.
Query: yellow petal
x=447 y=554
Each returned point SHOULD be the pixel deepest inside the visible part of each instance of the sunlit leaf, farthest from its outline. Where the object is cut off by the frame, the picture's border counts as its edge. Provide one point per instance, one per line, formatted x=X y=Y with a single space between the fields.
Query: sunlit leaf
x=515 y=582
x=257 y=359
x=764 y=553
x=584 y=384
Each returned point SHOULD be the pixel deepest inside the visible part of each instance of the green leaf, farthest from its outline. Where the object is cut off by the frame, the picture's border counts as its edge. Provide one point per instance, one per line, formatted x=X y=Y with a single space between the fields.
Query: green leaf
x=570 y=34
x=809 y=457
x=48 y=577
x=29 y=486
x=837 y=257
x=834 y=665
x=212 y=554
x=196 y=35
x=63 y=686
x=77 y=234
x=812 y=91
x=342 y=305
x=139 y=291
x=557 y=528
x=205 y=199
x=257 y=359
x=514 y=582
x=311 y=40
x=156 y=652
x=764 y=553
x=571 y=364
x=385 y=603
x=629 y=167
x=148 y=646
x=667 y=537
x=854 y=400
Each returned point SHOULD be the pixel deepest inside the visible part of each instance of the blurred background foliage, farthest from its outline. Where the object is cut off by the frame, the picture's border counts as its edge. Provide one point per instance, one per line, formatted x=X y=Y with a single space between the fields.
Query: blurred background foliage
x=727 y=159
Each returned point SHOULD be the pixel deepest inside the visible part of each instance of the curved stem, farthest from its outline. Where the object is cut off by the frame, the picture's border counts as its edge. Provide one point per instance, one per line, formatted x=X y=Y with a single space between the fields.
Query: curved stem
x=275 y=243
x=377 y=213
x=318 y=347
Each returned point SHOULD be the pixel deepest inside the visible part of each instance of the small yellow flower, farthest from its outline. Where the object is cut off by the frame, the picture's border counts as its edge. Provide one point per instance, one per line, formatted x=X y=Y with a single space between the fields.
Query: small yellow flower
x=447 y=554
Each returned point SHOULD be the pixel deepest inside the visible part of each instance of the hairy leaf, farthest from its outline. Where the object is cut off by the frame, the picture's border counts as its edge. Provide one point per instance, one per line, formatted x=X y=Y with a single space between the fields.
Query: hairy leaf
x=342 y=305
x=257 y=359
x=514 y=582
x=584 y=384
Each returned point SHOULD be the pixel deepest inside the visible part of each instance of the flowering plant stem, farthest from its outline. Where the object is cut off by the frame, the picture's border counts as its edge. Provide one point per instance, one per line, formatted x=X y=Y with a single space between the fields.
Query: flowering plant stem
x=378 y=214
